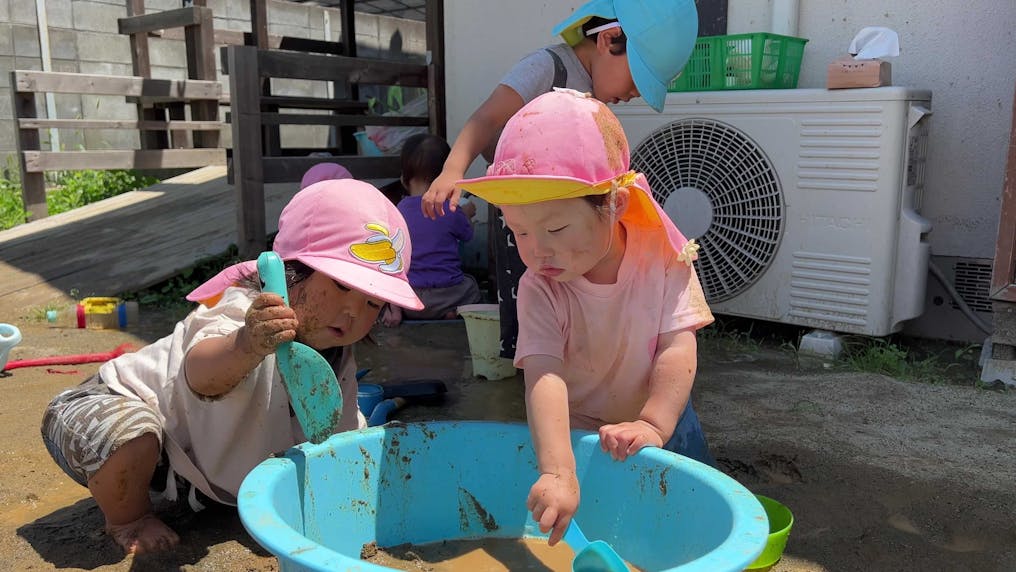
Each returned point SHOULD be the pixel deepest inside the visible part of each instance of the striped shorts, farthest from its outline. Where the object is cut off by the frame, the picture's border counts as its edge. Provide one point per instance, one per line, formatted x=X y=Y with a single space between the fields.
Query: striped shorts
x=84 y=425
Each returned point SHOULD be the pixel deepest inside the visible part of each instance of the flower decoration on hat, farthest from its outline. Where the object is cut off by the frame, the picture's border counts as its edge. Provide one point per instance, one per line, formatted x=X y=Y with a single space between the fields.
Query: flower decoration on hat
x=382 y=248
x=689 y=252
x=623 y=180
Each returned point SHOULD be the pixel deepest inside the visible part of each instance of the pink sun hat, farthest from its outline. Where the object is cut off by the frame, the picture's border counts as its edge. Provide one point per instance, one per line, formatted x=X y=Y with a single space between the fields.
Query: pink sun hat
x=562 y=145
x=345 y=229
x=324 y=172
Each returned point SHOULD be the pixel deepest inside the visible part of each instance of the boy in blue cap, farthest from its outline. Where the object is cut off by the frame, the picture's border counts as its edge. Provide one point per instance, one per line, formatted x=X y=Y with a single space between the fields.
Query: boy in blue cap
x=615 y=50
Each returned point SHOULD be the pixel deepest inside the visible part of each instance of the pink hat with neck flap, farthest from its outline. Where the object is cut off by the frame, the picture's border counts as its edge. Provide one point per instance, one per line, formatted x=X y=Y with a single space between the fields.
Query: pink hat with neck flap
x=345 y=229
x=565 y=144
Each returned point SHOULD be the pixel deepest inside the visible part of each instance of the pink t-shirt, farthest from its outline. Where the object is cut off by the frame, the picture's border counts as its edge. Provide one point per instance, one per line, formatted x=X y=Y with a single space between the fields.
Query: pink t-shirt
x=606 y=334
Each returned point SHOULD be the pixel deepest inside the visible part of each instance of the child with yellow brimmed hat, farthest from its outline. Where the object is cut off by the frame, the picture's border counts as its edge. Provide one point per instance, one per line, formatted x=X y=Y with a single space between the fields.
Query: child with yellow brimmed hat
x=609 y=304
x=616 y=50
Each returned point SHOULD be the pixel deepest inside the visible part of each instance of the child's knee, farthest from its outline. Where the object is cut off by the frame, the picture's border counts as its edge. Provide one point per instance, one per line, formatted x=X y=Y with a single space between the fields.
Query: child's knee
x=82 y=434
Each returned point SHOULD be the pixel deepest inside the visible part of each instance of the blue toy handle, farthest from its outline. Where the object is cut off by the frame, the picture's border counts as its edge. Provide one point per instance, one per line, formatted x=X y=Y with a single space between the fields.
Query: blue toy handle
x=381 y=412
x=273 y=274
x=574 y=537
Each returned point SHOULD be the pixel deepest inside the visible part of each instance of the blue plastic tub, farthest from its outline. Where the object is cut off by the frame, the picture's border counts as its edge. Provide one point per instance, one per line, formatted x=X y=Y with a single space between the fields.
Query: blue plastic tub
x=424 y=482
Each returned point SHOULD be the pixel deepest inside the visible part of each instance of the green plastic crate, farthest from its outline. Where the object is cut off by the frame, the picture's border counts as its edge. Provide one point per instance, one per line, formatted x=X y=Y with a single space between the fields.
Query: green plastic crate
x=758 y=60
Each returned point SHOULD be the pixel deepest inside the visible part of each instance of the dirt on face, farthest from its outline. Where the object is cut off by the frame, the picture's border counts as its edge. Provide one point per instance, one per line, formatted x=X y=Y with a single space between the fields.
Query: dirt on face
x=880 y=474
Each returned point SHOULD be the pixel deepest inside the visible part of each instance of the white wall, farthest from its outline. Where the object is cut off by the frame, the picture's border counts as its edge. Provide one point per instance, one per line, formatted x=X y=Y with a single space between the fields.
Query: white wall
x=960 y=49
x=483 y=40
x=963 y=51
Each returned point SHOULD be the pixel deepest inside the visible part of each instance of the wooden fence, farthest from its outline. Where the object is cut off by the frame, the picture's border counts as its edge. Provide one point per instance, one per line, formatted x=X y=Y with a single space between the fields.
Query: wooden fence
x=34 y=162
x=258 y=157
x=169 y=140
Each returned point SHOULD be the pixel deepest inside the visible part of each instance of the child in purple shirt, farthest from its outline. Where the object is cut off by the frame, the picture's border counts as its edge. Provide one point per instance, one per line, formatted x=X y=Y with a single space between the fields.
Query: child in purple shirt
x=436 y=269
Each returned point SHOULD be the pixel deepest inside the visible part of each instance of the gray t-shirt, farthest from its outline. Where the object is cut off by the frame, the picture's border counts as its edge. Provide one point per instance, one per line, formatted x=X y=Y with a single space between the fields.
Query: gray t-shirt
x=534 y=74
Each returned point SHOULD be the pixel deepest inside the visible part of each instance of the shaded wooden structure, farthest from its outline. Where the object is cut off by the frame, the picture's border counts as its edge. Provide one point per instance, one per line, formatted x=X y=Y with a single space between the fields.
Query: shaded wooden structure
x=126 y=242
x=34 y=162
x=198 y=30
x=255 y=118
x=165 y=133
x=171 y=139
x=257 y=114
x=1001 y=363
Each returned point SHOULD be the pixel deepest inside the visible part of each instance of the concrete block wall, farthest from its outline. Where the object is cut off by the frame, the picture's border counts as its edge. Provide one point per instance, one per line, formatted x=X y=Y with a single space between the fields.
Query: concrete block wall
x=83 y=38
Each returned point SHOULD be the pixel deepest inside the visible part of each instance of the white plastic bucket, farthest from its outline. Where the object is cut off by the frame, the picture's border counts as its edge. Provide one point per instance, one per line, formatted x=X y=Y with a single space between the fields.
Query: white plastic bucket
x=10 y=336
x=483 y=328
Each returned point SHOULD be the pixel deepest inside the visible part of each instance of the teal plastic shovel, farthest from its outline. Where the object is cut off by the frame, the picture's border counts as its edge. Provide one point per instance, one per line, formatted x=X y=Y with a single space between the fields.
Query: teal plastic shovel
x=313 y=390
x=596 y=556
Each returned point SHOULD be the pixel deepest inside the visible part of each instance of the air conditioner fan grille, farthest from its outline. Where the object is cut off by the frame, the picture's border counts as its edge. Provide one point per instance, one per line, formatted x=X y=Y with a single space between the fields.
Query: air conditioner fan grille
x=743 y=190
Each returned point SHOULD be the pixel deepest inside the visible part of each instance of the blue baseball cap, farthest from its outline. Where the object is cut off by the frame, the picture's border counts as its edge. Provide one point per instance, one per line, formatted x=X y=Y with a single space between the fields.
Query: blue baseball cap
x=661 y=35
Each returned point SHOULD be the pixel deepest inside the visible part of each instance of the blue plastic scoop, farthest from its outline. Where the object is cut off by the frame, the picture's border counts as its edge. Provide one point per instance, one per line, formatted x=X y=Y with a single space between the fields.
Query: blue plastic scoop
x=596 y=556
x=313 y=390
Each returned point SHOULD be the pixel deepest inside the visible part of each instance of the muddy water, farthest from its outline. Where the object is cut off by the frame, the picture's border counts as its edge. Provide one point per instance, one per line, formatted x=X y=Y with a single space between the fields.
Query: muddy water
x=477 y=555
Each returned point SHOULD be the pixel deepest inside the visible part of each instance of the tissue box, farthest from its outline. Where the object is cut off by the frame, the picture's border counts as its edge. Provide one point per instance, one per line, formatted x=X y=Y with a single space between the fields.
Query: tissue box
x=846 y=72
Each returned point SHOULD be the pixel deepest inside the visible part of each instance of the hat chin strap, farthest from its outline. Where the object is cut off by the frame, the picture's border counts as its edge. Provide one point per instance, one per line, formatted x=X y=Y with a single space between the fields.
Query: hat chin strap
x=613 y=219
x=607 y=26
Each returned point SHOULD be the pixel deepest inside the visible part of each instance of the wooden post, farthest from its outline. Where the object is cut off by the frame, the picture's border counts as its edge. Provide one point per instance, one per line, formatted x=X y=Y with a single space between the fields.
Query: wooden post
x=178 y=138
x=139 y=42
x=33 y=185
x=259 y=34
x=142 y=67
x=435 y=68
x=347 y=140
x=200 y=42
x=248 y=175
x=1001 y=364
x=259 y=23
x=1003 y=277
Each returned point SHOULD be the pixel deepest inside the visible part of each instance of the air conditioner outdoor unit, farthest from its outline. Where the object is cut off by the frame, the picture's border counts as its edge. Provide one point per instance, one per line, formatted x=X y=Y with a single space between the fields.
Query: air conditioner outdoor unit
x=805 y=201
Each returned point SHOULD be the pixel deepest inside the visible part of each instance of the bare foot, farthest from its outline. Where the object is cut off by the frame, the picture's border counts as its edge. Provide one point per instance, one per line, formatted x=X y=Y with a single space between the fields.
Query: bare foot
x=146 y=534
x=391 y=316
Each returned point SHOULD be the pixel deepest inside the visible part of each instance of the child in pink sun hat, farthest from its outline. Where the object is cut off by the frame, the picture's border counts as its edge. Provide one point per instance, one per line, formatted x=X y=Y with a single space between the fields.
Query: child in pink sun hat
x=206 y=403
x=614 y=49
x=609 y=304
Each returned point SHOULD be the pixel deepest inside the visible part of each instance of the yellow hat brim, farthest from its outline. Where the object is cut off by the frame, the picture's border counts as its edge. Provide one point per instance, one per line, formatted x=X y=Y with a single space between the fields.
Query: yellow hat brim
x=525 y=190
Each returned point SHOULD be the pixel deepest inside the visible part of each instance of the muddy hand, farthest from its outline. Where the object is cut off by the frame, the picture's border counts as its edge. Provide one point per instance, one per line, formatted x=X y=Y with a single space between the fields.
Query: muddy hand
x=553 y=499
x=625 y=439
x=268 y=323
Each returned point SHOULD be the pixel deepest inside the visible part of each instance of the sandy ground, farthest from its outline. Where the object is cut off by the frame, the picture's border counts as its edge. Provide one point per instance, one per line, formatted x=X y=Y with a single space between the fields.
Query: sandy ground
x=880 y=474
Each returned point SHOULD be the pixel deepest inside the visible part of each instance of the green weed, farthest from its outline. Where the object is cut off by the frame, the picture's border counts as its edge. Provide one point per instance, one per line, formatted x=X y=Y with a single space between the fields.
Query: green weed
x=896 y=359
x=38 y=313
x=79 y=188
x=170 y=293
x=71 y=189
x=12 y=209
x=897 y=356
x=734 y=336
